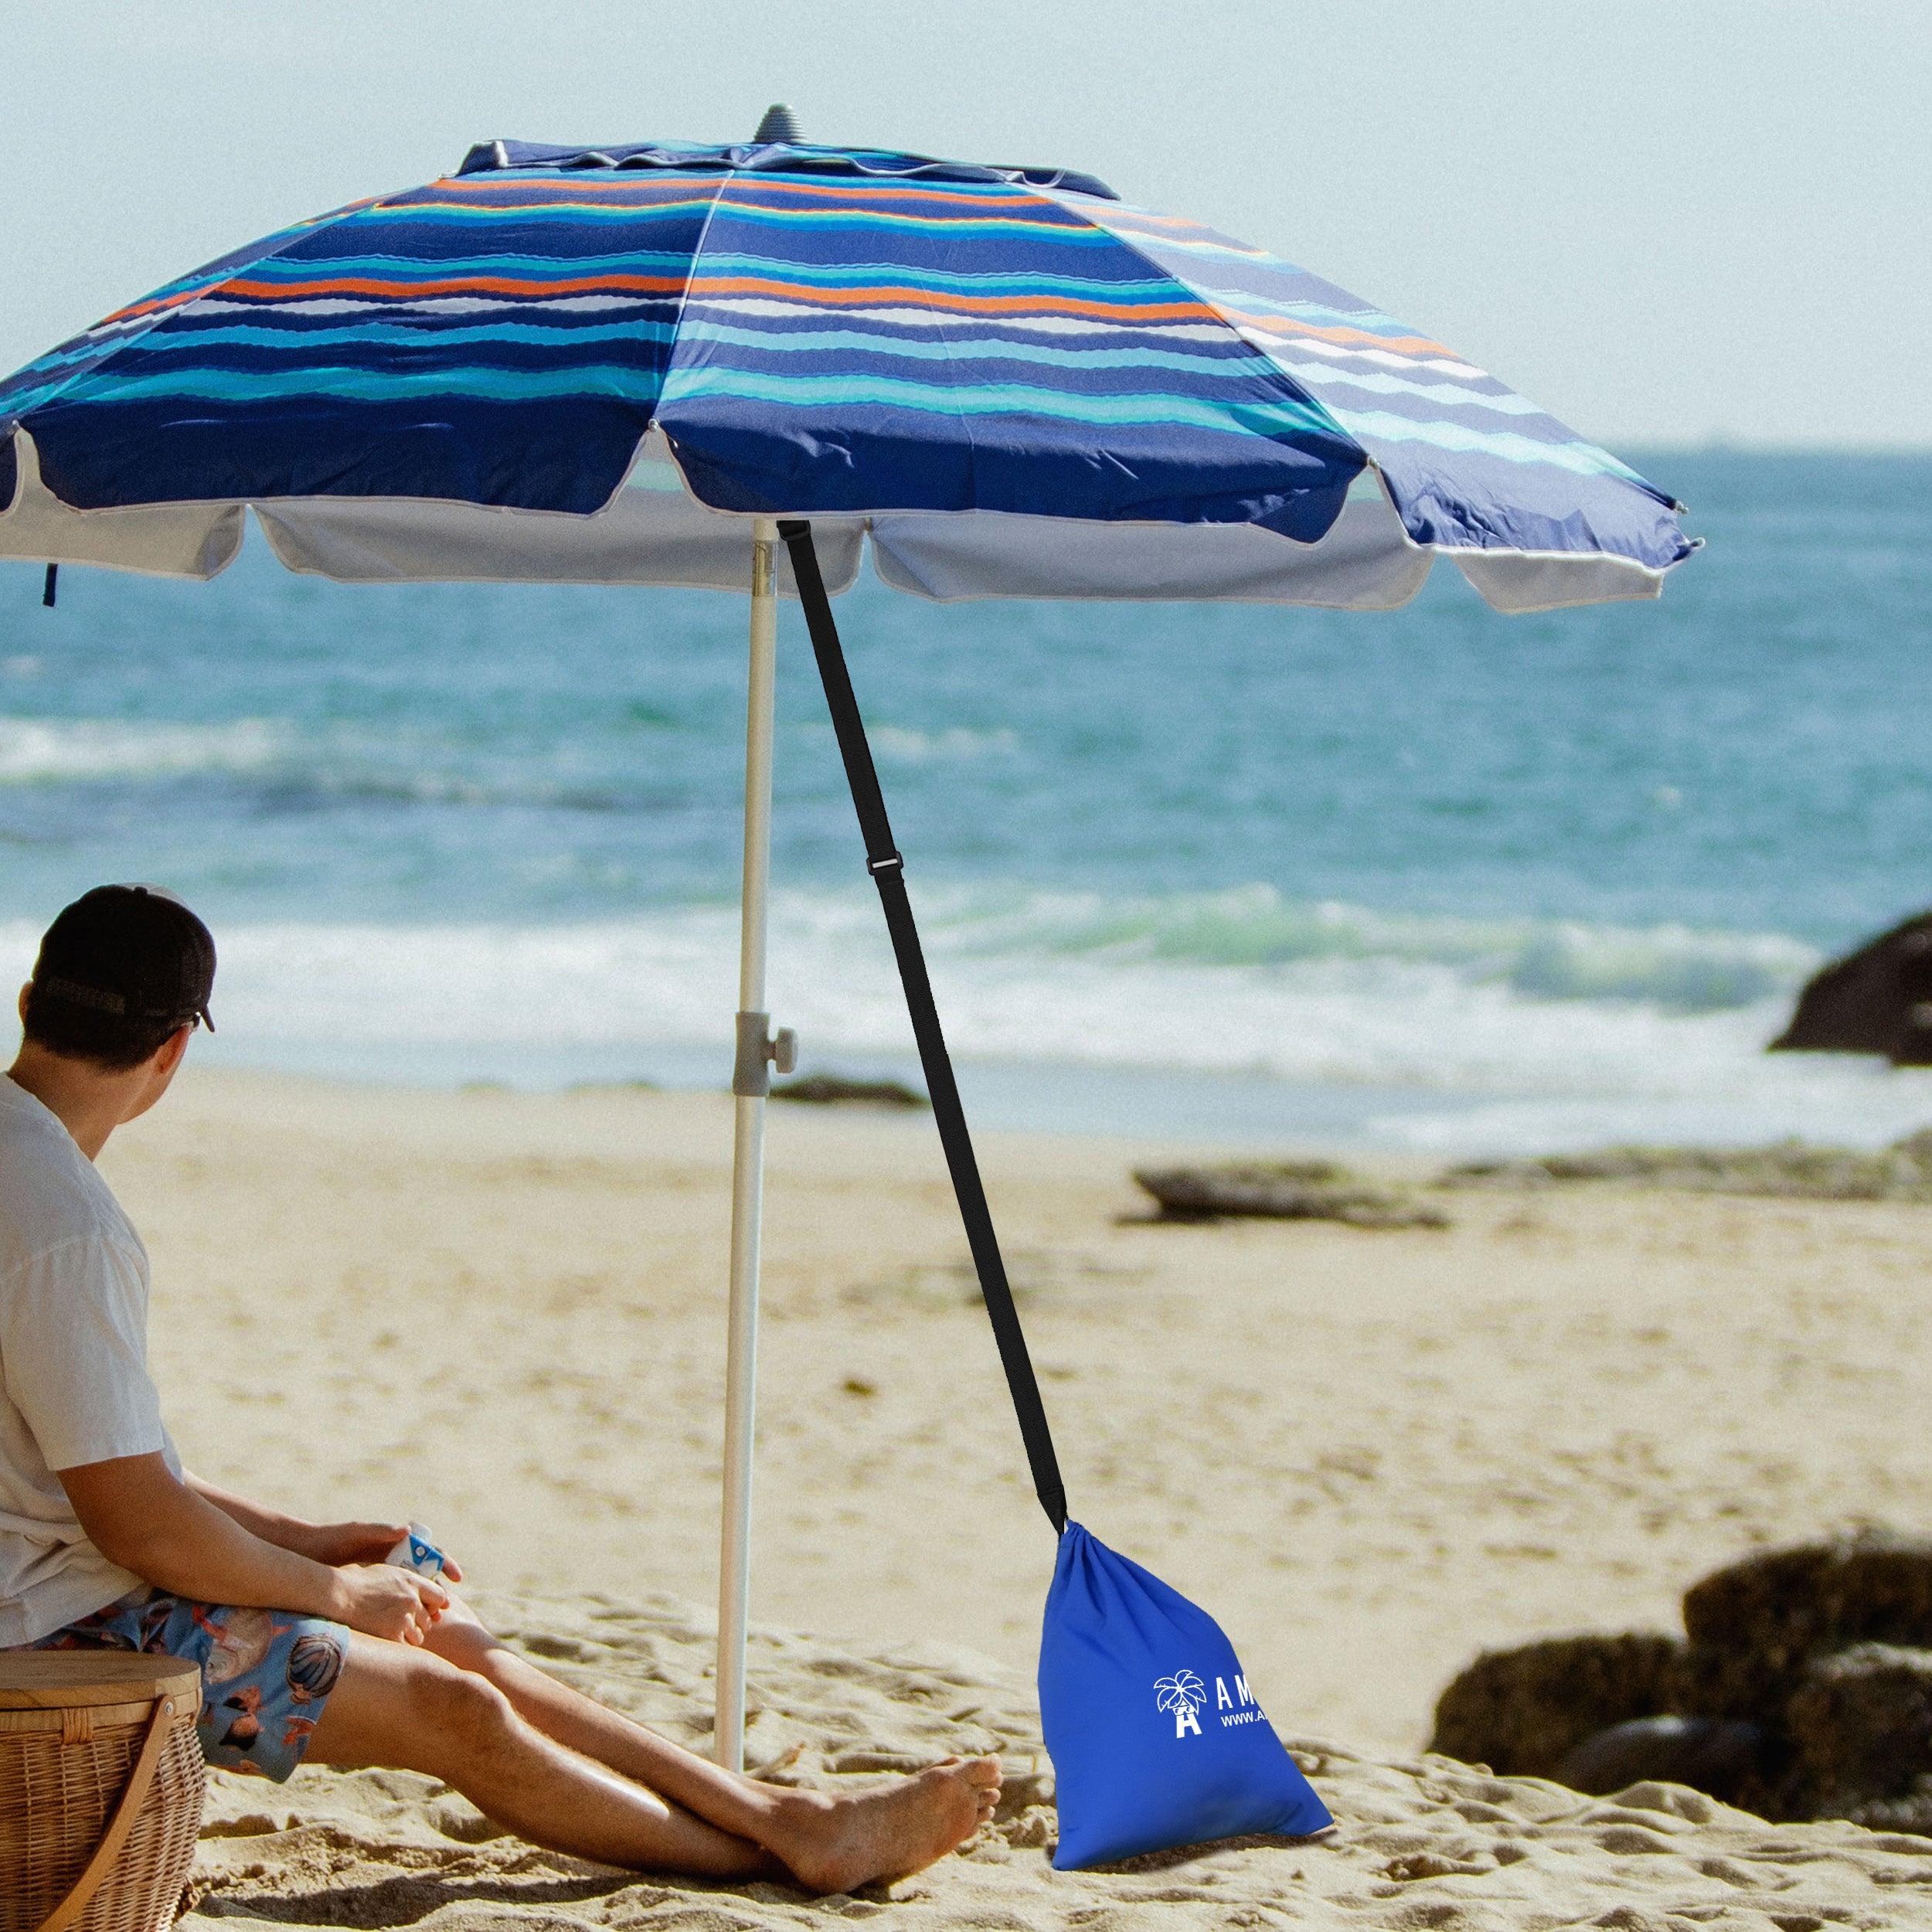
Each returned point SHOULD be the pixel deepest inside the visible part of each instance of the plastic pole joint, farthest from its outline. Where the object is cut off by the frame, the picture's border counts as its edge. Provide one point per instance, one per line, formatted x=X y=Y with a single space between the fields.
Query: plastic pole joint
x=759 y=1050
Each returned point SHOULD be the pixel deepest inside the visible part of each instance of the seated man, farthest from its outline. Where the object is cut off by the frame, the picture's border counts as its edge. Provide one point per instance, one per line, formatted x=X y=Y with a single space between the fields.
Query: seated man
x=310 y=1645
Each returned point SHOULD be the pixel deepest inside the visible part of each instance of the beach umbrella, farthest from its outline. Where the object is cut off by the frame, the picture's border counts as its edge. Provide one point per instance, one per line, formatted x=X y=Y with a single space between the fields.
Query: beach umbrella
x=742 y=367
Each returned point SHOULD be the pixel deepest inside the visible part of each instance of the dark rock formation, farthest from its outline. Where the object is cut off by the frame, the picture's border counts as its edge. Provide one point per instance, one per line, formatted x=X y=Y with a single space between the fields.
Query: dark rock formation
x=1756 y=1626
x=1283 y=1190
x=1861 y=1727
x=1805 y=1692
x=1733 y=1762
x=828 y=1089
x=1523 y=1712
x=1877 y=1000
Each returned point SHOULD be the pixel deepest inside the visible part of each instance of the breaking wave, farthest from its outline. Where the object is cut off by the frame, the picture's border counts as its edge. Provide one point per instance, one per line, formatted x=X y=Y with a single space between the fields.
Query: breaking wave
x=39 y=750
x=1450 y=1034
x=1254 y=927
x=400 y=765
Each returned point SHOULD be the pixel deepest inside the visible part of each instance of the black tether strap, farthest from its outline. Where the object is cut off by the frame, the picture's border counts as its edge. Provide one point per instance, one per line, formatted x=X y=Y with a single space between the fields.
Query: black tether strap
x=889 y=874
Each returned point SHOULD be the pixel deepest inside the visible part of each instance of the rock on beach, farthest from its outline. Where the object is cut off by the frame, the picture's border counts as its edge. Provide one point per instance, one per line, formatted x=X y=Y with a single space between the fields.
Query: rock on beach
x=1522 y=1711
x=1861 y=1725
x=1876 y=1000
x=1803 y=1690
x=1755 y=1626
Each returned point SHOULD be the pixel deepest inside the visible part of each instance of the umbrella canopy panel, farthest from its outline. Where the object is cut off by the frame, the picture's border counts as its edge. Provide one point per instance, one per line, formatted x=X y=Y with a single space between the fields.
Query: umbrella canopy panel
x=622 y=366
x=600 y=364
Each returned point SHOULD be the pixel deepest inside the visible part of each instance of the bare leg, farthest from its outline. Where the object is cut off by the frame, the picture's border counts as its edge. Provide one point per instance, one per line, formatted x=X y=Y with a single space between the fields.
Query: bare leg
x=828 y=1844
x=399 y=1707
x=697 y=1817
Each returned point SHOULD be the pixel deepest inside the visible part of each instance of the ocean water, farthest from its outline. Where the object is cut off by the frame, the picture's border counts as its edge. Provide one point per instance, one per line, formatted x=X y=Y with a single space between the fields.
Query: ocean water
x=1438 y=879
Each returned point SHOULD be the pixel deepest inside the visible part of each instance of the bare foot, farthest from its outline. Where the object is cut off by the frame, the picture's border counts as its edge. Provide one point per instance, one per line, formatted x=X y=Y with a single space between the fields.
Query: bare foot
x=833 y=1844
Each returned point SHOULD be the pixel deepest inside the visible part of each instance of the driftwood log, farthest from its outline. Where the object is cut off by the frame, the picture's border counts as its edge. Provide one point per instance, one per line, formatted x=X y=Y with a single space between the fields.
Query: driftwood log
x=828 y=1089
x=1284 y=1191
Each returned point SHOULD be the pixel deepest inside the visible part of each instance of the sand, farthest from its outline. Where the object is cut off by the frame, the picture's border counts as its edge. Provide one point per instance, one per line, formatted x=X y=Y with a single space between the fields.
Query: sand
x=1370 y=1453
x=1419 y=1842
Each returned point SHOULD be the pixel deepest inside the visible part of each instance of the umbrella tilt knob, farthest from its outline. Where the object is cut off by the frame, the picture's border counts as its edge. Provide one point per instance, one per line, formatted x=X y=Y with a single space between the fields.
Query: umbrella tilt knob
x=759 y=1051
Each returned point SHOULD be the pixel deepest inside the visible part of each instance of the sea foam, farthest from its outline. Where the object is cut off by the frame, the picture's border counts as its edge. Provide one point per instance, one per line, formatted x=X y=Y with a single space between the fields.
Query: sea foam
x=41 y=750
x=1442 y=1034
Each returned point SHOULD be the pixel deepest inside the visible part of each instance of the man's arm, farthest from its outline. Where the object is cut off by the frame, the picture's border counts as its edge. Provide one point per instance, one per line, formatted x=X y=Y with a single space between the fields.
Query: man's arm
x=333 y=1543
x=138 y=1514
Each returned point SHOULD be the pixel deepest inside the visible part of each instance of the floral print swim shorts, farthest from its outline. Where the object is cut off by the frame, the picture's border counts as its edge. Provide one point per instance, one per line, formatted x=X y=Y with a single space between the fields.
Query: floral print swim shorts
x=265 y=1674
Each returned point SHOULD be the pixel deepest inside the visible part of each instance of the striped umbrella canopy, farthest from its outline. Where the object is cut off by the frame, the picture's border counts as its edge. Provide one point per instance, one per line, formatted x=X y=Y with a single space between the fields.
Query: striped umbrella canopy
x=597 y=365
x=736 y=367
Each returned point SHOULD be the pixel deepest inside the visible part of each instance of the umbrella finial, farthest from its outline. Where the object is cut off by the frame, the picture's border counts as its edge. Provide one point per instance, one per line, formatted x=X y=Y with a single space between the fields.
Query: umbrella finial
x=780 y=123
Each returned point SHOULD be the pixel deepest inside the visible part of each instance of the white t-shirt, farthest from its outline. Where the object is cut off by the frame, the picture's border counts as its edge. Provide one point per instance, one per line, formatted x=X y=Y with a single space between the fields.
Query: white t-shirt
x=74 y=1386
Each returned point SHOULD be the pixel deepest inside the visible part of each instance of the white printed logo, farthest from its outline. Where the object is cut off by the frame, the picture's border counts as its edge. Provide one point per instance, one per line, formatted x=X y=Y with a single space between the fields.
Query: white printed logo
x=1183 y=1694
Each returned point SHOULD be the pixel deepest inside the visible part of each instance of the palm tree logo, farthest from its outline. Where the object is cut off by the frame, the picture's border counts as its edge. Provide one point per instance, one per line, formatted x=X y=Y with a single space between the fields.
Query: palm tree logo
x=1183 y=1694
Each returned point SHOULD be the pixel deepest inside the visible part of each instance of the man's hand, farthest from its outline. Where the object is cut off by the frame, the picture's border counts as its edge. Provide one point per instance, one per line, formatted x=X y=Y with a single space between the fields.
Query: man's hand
x=195 y=1542
x=381 y=1600
x=338 y=1544
x=333 y=1544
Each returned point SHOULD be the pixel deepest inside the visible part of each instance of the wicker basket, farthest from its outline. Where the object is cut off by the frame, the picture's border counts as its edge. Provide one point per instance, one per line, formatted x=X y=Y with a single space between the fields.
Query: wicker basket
x=101 y=1789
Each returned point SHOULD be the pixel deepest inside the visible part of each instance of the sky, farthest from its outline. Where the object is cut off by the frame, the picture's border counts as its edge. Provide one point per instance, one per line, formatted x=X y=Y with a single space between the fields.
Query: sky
x=1670 y=225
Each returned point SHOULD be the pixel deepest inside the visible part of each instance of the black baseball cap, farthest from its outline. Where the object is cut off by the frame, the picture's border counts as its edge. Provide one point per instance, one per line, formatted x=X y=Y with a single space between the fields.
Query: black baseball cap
x=134 y=952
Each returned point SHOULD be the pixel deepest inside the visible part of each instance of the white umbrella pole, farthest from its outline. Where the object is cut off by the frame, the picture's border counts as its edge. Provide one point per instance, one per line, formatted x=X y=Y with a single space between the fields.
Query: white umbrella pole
x=751 y=1080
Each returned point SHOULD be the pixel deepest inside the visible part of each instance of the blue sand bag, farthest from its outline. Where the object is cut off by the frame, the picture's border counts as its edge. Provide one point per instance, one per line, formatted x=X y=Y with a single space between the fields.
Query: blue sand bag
x=1155 y=1738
